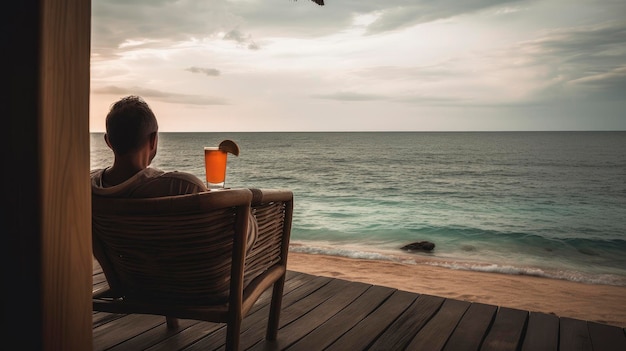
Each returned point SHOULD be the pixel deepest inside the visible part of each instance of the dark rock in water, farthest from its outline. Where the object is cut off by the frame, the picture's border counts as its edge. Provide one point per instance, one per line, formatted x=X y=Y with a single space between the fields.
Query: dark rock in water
x=420 y=245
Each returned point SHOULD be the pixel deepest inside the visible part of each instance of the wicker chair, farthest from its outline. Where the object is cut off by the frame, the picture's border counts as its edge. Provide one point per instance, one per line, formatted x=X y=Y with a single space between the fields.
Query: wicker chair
x=185 y=256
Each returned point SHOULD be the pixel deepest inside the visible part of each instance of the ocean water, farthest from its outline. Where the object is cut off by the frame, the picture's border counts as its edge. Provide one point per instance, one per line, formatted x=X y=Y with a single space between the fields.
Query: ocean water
x=549 y=204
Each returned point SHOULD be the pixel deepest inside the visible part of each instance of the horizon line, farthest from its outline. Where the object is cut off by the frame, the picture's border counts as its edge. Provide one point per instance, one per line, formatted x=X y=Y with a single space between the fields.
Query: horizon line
x=396 y=131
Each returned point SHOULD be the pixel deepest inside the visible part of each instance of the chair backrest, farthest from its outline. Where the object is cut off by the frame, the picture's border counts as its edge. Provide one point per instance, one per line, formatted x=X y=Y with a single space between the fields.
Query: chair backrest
x=175 y=249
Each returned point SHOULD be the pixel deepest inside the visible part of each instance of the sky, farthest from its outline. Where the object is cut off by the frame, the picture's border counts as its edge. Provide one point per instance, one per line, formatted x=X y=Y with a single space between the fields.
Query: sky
x=363 y=65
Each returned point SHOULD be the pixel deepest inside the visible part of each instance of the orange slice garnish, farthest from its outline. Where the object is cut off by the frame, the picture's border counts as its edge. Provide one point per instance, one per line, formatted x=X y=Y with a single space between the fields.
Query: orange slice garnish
x=229 y=146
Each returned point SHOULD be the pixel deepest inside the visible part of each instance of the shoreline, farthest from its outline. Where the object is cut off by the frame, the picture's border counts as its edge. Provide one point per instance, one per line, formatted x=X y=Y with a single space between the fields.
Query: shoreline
x=591 y=302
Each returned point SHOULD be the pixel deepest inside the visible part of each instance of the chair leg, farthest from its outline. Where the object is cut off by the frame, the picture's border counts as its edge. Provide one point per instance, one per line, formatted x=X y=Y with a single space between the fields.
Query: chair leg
x=233 y=329
x=275 y=306
x=172 y=323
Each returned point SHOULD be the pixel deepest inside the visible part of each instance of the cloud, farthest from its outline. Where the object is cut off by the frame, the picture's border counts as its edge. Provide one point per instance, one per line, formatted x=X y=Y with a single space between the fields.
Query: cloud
x=164 y=96
x=587 y=61
x=396 y=54
x=430 y=100
x=237 y=36
x=163 y=22
x=426 y=73
x=212 y=72
x=117 y=21
x=302 y=20
x=349 y=96
x=606 y=85
x=403 y=14
x=434 y=100
x=559 y=65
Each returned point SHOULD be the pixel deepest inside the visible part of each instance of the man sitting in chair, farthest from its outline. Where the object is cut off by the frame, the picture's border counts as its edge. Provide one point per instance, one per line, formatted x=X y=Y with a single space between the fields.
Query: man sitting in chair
x=132 y=135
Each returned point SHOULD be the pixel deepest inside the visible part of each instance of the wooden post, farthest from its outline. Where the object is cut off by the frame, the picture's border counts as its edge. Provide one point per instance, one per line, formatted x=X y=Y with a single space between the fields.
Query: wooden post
x=47 y=263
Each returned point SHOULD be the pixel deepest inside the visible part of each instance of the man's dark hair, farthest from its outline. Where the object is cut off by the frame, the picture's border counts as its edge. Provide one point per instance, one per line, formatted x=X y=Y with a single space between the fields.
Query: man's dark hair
x=129 y=123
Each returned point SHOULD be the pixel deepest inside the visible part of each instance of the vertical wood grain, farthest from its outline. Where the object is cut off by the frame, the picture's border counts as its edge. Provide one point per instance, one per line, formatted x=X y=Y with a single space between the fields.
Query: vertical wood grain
x=65 y=198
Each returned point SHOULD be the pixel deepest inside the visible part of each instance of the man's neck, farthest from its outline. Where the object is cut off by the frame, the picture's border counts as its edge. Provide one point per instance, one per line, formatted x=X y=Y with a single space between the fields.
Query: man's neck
x=119 y=173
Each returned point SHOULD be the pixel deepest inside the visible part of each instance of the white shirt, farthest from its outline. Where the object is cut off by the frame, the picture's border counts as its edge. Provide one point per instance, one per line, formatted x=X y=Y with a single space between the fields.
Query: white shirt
x=150 y=182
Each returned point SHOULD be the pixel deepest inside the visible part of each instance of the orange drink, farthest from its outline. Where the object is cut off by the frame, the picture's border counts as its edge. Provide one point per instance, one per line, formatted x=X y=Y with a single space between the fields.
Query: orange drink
x=215 y=167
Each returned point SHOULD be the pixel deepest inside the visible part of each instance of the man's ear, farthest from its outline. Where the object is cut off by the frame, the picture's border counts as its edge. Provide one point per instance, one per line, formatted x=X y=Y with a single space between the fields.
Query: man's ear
x=153 y=140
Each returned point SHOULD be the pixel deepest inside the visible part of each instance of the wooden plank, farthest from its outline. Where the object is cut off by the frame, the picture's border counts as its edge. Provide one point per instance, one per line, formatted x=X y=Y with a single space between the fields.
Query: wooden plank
x=542 y=333
x=403 y=329
x=307 y=303
x=340 y=323
x=256 y=320
x=319 y=312
x=111 y=334
x=253 y=327
x=293 y=311
x=574 y=335
x=368 y=329
x=296 y=279
x=292 y=332
x=98 y=278
x=184 y=336
x=293 y=281
x=188 y=336
x=297 y=289
x=63 y=250
x=100 y=318
x=471 y=331
x=606 y=337
x=435 y=333
x=152 y=336
x=506 y=331
x=343 y=321
x=99 y=286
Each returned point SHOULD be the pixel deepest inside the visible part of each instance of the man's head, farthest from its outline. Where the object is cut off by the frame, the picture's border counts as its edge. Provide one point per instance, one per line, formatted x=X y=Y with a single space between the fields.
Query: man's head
x=130 y=124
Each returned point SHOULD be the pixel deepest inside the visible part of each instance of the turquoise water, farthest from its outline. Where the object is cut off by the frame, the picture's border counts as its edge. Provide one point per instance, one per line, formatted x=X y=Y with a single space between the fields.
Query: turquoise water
x=539 y=203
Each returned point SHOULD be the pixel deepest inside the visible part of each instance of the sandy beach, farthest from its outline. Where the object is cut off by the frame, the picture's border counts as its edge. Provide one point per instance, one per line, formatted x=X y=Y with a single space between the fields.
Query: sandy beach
x=599 y=303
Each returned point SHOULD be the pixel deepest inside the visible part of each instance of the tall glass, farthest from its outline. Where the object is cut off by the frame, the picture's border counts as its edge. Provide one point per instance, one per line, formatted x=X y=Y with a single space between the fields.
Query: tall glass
x=215 y=167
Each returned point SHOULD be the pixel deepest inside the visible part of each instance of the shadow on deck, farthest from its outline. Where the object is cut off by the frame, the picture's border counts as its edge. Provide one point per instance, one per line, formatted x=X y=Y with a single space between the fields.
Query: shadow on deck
x=320 y=313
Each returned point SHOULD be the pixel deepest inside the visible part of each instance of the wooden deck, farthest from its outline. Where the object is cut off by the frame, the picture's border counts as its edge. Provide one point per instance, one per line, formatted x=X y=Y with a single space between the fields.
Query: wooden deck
x=320 y=313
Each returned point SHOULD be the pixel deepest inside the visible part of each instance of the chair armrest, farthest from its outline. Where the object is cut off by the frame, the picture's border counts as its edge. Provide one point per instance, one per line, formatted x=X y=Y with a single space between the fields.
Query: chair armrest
x=260 y=196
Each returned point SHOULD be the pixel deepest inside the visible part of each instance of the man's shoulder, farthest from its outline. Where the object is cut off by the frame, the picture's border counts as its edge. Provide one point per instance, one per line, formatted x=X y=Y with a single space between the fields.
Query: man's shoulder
x=96 y=172
x=150 y=182
x=178 y=182
x=182 y=176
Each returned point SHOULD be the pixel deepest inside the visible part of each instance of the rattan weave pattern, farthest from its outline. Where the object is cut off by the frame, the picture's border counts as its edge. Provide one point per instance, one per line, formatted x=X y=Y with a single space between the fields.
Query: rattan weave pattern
x=266 y=250
x=157 y=263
